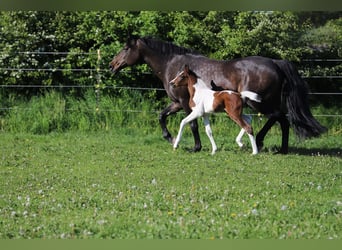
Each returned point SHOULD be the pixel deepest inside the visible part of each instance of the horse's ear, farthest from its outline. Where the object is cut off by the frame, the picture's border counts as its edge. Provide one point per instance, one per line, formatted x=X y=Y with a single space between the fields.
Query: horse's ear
x=131 y=40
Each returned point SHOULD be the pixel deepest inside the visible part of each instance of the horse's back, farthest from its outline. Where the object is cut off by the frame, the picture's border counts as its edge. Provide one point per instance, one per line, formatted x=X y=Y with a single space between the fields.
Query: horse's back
x=254 y=73
x=257 y=74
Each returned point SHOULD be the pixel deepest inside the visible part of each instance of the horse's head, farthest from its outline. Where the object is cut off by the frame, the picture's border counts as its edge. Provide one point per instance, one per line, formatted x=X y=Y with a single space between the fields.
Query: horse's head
x=128 y=56
x=183 y=78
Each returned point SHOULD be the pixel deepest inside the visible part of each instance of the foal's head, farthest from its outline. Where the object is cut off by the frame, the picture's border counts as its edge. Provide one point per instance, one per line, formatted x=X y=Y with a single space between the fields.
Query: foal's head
x=184 y=78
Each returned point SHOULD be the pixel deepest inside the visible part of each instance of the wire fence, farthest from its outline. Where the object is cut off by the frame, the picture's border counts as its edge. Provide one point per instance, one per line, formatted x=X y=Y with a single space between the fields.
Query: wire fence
x=100 y=71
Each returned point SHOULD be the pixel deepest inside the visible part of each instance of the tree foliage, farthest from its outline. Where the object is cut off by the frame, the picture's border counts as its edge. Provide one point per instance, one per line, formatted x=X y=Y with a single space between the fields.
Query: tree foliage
x=217 y=34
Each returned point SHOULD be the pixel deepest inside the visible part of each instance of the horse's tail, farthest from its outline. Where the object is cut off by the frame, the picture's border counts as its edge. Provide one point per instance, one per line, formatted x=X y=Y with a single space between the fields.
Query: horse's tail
x=214 y=87
x=250 y=95
x=295 y=94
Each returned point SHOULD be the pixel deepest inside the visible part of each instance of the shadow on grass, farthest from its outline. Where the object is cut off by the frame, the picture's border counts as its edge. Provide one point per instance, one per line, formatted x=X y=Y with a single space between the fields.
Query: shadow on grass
x=336 y=152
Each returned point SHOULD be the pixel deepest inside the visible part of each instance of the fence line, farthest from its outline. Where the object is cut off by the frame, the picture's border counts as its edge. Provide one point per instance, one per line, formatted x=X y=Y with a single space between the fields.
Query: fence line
x=154 y=111
x=73 y=70
x=126 y=71
x=95 y=52
x=122 y=87
x=100 y=71
x=52 y=53
x=321 y=77
x=48 y=53
x=81 y=86
x=48 y=70
x=158 y=111
x=322 y=60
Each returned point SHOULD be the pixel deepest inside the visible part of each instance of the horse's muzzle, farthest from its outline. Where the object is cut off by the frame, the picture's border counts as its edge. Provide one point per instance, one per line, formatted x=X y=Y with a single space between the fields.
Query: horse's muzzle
x=116 y=67
x=113 y=69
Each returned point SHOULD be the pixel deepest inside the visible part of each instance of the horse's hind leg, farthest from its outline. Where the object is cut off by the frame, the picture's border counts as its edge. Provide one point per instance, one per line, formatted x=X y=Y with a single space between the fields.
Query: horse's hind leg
x=285 y=127
x=249 y=130
x=209 y=133
x=248 y=119
x=252 y=140
x=262 y=133
x=245 y=126
x=239 y=137
x=253 y=143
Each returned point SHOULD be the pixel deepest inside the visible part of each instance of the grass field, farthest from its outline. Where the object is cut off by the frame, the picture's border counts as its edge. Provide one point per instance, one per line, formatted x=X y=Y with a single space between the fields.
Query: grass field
x=126 y=185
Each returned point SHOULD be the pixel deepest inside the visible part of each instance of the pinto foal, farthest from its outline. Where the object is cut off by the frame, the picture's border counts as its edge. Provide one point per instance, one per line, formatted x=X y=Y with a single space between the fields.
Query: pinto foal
x=204 y=101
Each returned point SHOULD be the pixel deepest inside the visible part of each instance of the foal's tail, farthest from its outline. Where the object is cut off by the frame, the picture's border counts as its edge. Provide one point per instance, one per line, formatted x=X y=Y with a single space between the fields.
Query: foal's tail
x=250 y=95
x=295 y=94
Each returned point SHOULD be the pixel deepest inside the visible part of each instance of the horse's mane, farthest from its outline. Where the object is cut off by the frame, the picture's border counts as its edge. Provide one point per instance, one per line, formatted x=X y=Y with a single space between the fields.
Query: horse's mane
x=167 y=48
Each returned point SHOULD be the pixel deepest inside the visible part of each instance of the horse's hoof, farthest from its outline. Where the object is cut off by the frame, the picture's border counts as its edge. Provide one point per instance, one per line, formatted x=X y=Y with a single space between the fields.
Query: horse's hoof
x=195 y=150
x=260 y=145
x=281 y=152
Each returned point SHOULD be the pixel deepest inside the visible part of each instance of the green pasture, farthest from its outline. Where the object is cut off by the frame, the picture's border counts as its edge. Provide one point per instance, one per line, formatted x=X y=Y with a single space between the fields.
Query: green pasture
x=128 y=184
x=82 y=153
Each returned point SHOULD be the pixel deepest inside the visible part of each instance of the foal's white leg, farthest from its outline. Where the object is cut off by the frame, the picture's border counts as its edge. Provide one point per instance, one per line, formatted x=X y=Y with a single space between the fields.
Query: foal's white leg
x=209 y=133
x=239 y=137
x=253 y=143
x=192 y=116
x=248 y=119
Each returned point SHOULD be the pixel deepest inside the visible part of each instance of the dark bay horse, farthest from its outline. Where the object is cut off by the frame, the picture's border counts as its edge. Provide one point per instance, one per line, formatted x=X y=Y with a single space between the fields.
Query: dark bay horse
x=204 y=101
x=284 y=94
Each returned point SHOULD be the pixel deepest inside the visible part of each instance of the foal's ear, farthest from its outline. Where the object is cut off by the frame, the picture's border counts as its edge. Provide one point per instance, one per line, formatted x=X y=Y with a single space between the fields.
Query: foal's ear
x=186 y=68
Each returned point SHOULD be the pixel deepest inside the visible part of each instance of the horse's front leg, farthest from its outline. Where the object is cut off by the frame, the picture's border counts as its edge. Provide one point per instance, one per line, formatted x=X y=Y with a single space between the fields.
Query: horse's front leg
x=171 y=109
x=195 y=133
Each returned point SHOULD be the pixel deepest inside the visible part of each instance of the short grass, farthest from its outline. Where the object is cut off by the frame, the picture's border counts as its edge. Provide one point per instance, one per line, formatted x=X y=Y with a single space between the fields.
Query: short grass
x=126 y=185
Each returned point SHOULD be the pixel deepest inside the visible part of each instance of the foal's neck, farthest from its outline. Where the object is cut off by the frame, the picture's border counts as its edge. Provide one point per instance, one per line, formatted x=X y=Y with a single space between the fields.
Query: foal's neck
x=191 y=88
x=194 y=82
